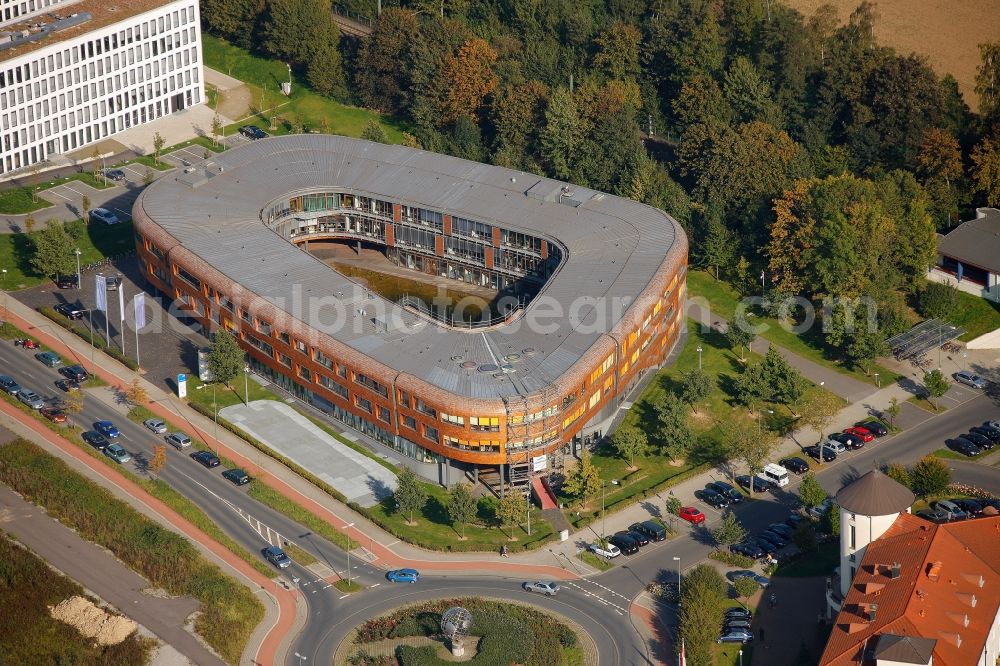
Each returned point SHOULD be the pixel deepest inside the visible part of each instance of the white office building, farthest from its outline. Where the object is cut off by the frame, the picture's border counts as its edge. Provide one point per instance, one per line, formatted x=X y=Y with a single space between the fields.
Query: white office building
x=75 y=72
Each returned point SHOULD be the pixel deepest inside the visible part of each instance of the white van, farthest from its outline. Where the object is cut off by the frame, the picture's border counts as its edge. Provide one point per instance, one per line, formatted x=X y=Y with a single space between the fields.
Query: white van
x=774 y=473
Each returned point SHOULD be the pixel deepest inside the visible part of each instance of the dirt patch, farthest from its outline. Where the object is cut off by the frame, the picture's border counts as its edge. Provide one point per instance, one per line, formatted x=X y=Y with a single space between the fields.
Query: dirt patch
x=93 y=622
x=948 y=32
x=235 y=102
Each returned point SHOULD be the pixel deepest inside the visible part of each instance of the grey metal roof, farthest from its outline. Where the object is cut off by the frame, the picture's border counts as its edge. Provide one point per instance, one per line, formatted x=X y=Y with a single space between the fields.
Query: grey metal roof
x=975 y=242
x=613 y=248
x=904 y=649
x=875 y=494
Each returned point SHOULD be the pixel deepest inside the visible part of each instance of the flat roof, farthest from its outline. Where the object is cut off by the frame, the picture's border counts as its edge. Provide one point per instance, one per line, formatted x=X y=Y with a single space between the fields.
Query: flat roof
x=976 y=242
x=613 y=249
x=102 y=13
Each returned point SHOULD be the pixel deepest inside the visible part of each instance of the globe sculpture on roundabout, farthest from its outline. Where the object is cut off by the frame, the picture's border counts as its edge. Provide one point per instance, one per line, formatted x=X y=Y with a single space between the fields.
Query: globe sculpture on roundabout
x=455 y=625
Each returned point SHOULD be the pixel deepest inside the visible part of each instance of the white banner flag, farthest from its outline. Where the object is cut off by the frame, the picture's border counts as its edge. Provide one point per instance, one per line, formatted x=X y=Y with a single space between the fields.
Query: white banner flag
x=139 y=302
x=101 y=291
x=121 y=303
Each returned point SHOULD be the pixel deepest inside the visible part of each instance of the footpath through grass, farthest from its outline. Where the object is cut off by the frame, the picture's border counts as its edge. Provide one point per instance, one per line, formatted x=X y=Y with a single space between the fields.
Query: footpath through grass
x=229 y=610
x=312 y=111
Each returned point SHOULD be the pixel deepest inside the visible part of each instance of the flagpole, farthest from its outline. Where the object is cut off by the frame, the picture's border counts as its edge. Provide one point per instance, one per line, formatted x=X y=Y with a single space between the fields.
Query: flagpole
x=139 y=311
x=121 y=313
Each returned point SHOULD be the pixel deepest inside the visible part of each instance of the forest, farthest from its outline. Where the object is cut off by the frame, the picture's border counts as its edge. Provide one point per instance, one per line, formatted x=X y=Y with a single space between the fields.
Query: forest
x=789 y=145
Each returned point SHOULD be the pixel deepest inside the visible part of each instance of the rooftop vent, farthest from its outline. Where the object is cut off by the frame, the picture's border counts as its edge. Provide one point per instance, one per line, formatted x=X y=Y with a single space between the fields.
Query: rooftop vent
x=895 y=571
x=934 y=570
x=871 y=611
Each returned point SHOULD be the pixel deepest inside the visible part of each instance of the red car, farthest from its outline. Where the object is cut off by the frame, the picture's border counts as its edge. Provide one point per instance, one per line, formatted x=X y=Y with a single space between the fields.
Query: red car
x=692 y=515
x=54 y=414
x=865 y=434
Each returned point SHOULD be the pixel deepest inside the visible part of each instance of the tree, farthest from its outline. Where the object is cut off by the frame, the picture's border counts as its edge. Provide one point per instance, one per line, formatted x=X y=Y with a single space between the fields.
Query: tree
x=562 y=134
x=461 y=506
x=729 y=531
x=234 y=20
x=718 y=247
x=468 y=77
x=373 y=132
x=750 y=96
x=755 y=451
x=618 y=51
x=325 y=71
x=820 y=410
x=629 y=442
x=29 y=222
x=936 y=386
x=740 y=336
x=751 y=387
x=702 y=599
x=673 y=506
x=829 y=522
x=518 y=114
x=225 y=357
x=159 y=460
x=804 y=537
x=385 y=61
x=584 y=480
x=986 y=170
x=409 y=495
x=85 y=205
x=938 y=301
x=810 y=492
x=939 y=166
x=217 y=129
x=53 y=250
x=988 y=81
x=899 y=474
x=697 y=386
x=158 y=143
x=136 y=393
x=737 y=435
x=745 y=587
x=673 y=431
x=147 y=177
x=73 y=402
x=892 y=411
x=931 y=476
x=788 y=385
x=511 y=510
x=296 y=30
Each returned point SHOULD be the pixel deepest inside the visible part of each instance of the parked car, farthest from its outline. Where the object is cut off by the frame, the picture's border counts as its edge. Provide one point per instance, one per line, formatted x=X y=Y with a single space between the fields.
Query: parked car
x=781 y=528
x=638 y=537
x=117 y=453
x=49 y=359
x=774 y=537
x=821 y=508
x=859 y=431
x=954 y=511
x=75 y=372
x=54 y=414
x=735 y=624
x=67 y=281
x=546 y=587
x=933 y=515
x=839 y=442
x=67 y=385
x=981 y=441
x=206 y=458
x=970 y=506
x=813 y=451
x=237 y=476
x=155 y=425
x=8 y=384
x=96 y=440
x=759 y=485
x=747 y=549
x=712 y=498
x=653 y=530
x=106 y=428
x=993 y=424
x=252 y=132
x=795 y=465
x=963 y=446
x=277 y=557
x=403 y=576
x=736 y=636
x=692 y=514
x=30 y=398
x=609 y=550
x=733 y=576
x=876 y=428
x=114 y=174
x=625 y=543
x=970 y=379
x=70 y=310
x=768 y=546
x=992 y=434
x=103 y=216
x=737 y=612
x=179 y=440
x=732 y=494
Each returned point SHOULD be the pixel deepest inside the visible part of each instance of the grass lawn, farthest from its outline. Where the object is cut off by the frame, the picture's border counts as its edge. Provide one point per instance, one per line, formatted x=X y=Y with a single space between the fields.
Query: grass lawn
x=18 y=201
x=820 y=563
x=86 y=177
x=976 y=315
x=304 y=105
x=729 y=654
x=593 y=560
x=150 y=161
x=723 y=301
x=927 y=405
x=96 y=242
x=948 y=454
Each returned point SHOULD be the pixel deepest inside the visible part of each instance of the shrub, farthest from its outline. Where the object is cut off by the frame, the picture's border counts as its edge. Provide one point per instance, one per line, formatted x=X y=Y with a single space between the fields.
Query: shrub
x=938 y=301
x=732 y=559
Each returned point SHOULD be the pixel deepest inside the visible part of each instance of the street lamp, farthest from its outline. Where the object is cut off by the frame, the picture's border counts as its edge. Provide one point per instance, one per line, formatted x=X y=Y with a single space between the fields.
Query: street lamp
x=246 y=385
x=741 y=657
x=77 y=253
x=5 y=289
x=678 y=561
x=964 y=357
x=215 y=408
x=759 y=429
x=347 y=531
x=699 y=356
x=302 y=658
x=604 y=516
x=878 y=383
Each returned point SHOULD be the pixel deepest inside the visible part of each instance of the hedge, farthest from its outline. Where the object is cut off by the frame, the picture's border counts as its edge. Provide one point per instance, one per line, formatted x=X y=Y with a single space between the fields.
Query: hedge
x=732 y=559
x=85 y=334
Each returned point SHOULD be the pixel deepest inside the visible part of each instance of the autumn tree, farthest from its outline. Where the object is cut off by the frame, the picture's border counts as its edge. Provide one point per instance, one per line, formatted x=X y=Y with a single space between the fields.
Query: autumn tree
x=159 y=460
x=618 y=51
x=986 y=170
x=136 y=393
x=511 y=510
x=820 y=410
x=988 y=82
x=469 y=77
x=73 y=402
x=584 y=480
x=939 y=166
x=158 y=143
x=518 y=114
x=373 y=132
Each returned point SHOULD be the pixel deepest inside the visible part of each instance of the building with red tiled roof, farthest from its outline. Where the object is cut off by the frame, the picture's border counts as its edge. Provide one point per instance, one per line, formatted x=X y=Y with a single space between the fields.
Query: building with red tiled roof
x=923 y=594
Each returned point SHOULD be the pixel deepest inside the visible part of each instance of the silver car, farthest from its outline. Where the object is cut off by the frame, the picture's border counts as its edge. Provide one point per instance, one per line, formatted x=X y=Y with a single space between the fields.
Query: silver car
x=546 y=587
x=178 y=440
x=30 y=398
x=103 y=216
x=970 y=379
x=610 y=550
x=156 y=425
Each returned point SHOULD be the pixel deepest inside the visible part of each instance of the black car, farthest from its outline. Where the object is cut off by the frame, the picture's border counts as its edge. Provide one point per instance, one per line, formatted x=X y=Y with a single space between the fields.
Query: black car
x=67 y=385
x=726 y=490
x=766 y=545
x=625 y=543
x=639 y=537
x=981 y=441
x=712 y=498
x=747 y=549
x=114 y=174
x=933 y=516
x=829 y=455
x=848 y=440
x=794 y=465
x=653 y=530
x=963 y=446
x=794 y=520
x=775 y=538
x=970 y=506
x=75 y=372
x=8 y=384
x=781 y=529
x=70 y=311
x=66 y=281
x=237 y=476
x=252 y=132
x=989 y=432
x=206 y=458
x=736 y=612
x=759 y=485
x=876 y=428
x=96 y=440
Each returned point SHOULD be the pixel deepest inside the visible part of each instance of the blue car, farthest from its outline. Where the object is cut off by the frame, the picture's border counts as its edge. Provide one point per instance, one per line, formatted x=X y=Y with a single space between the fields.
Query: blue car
x=403 y=576
x=106 y=428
